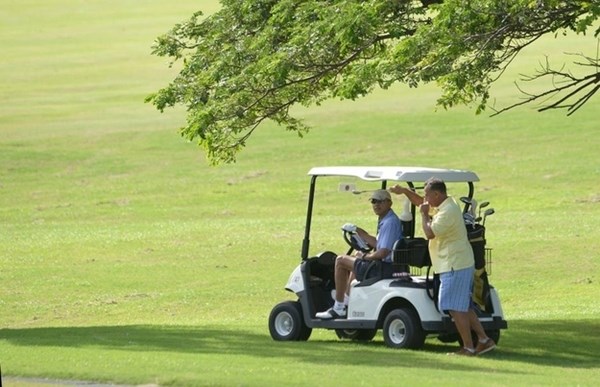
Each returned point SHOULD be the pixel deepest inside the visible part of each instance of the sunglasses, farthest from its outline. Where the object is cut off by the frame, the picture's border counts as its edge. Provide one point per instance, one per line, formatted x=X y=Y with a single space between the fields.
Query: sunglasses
x=377 y=201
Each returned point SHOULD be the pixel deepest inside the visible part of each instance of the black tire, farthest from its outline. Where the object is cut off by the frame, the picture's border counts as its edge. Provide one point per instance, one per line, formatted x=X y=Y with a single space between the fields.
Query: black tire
x=402 y=329
x=286 y=322
x=494 y=335
x=448 y=337
x=356 y=334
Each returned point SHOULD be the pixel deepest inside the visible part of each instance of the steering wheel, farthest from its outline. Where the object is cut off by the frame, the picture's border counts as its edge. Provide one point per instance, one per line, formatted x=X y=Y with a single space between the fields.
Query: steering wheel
x=354 y=240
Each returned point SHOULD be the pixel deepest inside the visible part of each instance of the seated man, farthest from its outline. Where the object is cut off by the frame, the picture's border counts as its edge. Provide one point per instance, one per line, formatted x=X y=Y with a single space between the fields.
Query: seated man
x=389 y=230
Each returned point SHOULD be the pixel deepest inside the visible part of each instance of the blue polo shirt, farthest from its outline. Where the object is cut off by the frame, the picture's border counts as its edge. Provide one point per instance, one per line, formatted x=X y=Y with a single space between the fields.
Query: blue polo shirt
x=389 y=230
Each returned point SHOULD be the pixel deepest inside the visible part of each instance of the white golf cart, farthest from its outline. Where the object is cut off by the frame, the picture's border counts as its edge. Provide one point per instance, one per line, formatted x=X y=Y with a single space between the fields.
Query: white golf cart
x=404 y=307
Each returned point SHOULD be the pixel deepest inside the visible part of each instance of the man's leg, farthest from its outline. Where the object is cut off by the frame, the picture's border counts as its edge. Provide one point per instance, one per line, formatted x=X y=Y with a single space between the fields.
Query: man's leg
x=343 y=268
x=484 y=343
x=476 y=326
x=344 y=264
x=455 y=296
x=463 y=326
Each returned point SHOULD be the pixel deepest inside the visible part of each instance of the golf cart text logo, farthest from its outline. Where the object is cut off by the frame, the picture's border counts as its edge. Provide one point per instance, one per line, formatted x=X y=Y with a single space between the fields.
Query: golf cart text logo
x=358 y=314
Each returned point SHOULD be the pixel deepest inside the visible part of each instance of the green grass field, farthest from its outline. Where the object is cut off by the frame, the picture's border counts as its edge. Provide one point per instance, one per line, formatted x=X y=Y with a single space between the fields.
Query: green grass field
x=126 y=259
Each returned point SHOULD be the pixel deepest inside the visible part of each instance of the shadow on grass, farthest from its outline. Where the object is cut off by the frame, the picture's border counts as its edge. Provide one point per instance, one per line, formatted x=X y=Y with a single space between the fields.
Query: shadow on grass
x=565 y=343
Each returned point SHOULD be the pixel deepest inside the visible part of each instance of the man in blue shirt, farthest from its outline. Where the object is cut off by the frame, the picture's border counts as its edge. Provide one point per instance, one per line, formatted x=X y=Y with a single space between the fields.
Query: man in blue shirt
x=389 y=230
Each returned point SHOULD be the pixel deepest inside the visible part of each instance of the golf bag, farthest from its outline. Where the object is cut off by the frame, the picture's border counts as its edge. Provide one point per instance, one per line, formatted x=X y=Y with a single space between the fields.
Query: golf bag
x=481 y=285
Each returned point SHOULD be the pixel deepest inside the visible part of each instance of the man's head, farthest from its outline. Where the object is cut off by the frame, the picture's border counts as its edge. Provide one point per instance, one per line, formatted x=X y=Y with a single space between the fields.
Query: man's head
x=381 y=201
x=435 y=192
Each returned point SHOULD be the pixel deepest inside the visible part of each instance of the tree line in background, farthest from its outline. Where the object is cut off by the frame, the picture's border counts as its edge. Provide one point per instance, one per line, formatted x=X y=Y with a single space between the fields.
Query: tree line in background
x=254 y=59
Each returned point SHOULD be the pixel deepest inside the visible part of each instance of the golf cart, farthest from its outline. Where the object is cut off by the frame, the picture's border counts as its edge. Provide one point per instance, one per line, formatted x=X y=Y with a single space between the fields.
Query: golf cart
x=404 y=306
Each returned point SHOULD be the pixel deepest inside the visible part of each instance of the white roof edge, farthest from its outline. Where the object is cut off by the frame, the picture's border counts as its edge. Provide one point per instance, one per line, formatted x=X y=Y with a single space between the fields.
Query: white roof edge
x=413 y=174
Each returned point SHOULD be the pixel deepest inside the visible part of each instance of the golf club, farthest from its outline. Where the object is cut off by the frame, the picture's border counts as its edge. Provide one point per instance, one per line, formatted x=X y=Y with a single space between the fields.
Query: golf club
x=473 y=207
x=487 y=213
x=469 y=219
x=467 y=203
x=482 y=205
x=357 y=192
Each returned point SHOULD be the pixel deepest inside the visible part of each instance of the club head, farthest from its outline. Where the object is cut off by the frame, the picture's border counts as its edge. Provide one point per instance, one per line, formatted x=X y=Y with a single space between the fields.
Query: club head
x=489 y=212
x=467 y=203
x=483 y=205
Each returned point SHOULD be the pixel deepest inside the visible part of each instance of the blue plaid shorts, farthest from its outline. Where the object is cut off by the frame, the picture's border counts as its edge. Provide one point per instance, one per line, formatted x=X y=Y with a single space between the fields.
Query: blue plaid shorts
x=456 y=287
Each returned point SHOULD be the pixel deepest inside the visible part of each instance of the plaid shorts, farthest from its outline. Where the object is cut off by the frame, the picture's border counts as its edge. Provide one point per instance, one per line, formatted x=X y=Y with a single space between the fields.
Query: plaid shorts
x=456 y=287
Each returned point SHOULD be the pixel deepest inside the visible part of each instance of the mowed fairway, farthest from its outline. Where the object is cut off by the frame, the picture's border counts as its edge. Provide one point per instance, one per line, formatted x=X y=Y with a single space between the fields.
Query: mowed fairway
x=126 y=259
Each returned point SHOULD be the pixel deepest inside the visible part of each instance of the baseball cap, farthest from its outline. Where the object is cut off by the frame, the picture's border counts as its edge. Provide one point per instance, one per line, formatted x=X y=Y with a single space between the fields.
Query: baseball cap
x=381 y=194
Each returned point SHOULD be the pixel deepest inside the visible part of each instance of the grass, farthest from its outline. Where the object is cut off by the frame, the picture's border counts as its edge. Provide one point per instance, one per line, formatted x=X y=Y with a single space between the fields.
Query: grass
x=124 y=258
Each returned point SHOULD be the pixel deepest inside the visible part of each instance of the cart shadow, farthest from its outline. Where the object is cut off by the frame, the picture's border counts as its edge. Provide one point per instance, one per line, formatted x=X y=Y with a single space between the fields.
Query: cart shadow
x=568 y=343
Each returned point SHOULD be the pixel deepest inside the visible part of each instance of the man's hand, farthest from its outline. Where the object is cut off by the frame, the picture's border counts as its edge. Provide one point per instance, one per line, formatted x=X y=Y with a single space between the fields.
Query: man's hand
x=397 y=189
x=426 y=220
x=424 y=208
x=349 y=227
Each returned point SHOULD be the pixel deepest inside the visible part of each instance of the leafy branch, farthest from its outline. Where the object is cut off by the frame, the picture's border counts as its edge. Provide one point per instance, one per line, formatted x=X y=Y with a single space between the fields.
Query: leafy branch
x=575 y=90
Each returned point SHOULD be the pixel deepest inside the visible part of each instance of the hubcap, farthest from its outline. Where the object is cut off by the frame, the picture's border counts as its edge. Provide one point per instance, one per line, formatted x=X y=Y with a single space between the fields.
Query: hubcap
x=284 y=324
x=397 y=331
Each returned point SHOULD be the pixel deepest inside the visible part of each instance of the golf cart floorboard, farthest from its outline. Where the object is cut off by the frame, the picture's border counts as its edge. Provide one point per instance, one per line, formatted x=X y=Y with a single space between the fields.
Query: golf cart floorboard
x=342 y=323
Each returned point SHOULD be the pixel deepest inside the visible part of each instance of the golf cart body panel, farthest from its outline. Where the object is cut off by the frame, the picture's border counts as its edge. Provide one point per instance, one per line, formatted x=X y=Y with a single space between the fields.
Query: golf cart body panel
x=295 y=283
x=377 y=303
x=362 y=306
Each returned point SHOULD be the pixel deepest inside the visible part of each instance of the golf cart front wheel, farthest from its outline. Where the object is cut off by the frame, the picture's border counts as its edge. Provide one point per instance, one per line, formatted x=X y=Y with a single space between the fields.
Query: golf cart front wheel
x=286 y=322
x=402 y=329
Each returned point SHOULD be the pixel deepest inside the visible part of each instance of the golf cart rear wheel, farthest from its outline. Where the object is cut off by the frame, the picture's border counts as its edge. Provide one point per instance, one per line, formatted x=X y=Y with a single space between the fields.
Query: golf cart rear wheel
x=286 y=322
x=494 y=335
x=402 y=329
x=356 y=334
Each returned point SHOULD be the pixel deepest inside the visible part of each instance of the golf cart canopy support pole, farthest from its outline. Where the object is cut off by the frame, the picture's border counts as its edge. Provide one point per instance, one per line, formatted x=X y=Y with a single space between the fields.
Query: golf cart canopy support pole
x=311 y=197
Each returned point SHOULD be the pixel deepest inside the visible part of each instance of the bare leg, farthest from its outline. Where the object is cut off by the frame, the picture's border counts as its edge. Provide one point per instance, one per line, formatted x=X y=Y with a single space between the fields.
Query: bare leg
x=343 y=269
x=351 y=278
x=463 y=325
x=476 y=326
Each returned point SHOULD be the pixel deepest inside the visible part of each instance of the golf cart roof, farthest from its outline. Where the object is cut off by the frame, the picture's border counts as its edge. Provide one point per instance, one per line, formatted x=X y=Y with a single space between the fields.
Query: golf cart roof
x=405 y=174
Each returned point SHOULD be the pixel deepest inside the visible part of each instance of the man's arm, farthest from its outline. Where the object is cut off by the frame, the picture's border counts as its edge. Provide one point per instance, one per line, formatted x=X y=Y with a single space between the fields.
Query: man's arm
x=414 y=197
x=371 y=240
x=426 y=221
x=376 y=255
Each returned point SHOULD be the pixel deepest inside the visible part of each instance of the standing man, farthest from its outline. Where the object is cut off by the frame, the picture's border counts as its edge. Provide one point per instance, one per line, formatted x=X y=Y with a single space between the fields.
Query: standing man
x=452 y=258
x=389 y=230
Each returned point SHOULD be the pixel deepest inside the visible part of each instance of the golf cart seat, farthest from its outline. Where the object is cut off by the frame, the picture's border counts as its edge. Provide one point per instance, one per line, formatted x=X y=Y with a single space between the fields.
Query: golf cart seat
x=378 y=271
x=375 y=272
x=410 y=253
x=321 y=267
